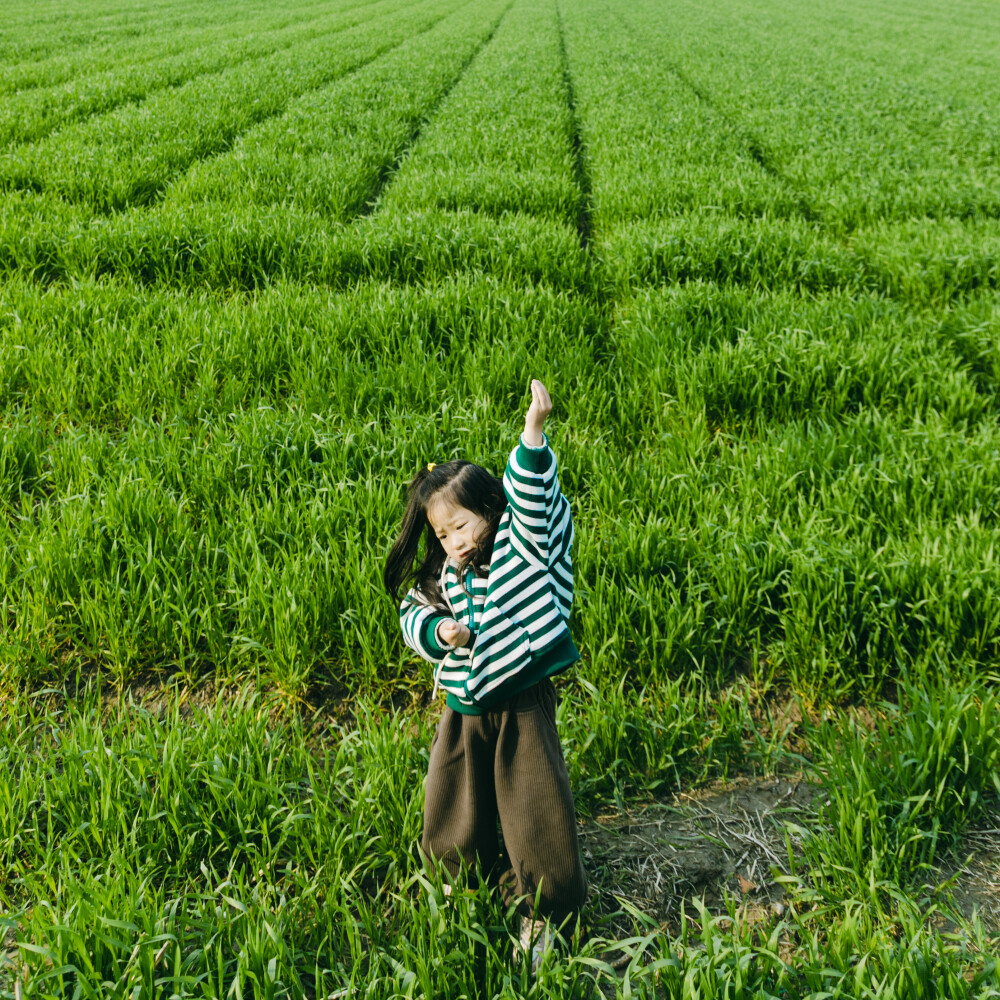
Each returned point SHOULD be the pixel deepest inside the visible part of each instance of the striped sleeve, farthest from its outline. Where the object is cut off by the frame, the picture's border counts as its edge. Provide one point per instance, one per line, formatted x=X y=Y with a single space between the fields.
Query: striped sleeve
x=418 y=621
x=540 y=514
x=453 y=674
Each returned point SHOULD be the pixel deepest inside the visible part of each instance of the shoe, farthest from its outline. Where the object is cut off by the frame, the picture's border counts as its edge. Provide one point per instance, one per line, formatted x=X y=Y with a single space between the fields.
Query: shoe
x=536 y=938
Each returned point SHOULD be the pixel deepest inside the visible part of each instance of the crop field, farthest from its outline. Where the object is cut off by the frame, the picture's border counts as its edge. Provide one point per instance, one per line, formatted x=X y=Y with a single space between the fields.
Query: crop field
x=260 y=262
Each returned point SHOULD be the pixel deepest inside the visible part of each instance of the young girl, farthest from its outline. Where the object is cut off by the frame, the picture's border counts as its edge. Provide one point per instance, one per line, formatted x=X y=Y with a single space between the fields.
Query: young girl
x=489 y=608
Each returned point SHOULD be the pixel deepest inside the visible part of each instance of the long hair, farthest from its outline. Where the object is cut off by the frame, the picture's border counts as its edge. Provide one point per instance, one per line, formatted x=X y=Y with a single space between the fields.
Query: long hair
x=463 y=484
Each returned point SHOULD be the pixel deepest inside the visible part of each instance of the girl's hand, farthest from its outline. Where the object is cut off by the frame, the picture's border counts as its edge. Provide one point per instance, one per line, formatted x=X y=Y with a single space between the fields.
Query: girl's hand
x=454 y=634
x=541 y=407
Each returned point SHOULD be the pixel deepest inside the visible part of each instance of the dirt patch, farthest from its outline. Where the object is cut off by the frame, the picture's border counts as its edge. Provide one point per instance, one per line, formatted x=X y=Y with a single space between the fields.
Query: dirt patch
x=730 y=841
x=8 y=961
x=973 y=886
x=325 y=709
x=701 y=845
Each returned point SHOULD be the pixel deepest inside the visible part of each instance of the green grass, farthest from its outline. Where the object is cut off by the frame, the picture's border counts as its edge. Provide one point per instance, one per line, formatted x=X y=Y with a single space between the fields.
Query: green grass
x=127 y=157
x=255 y=271
x=225 y=849
x=34 y=112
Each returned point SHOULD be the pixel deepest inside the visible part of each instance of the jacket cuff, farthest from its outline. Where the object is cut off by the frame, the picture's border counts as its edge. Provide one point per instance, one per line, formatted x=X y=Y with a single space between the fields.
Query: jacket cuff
x=536 y=459
x=428 y=634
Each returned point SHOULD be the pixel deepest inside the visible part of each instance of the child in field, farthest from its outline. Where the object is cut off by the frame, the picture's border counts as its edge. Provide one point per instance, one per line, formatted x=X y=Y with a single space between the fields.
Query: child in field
x=489 y=608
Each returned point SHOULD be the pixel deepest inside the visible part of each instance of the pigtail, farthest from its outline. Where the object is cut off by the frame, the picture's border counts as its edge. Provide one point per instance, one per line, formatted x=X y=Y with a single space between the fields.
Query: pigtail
x=399 y=563
x=398 y=572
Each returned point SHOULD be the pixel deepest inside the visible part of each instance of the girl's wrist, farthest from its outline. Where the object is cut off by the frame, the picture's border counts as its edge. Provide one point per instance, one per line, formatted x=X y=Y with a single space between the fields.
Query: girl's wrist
x=533 y=437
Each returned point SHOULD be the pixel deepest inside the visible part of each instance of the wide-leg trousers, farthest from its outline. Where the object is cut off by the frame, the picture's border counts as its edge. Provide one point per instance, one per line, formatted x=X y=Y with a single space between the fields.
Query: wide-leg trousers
x=507 y=764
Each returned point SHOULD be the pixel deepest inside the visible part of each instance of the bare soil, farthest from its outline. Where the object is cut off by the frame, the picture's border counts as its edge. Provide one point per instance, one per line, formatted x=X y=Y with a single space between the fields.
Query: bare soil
x=729 y=841
x=700 y=845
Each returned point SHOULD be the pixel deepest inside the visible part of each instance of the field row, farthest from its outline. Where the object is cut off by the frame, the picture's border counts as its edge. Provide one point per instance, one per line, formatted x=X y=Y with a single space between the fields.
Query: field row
x=212 y=245
x=31 y=115
x=103 y=355
x=848 y=132
x=185 y=482
x=332 y=151
x=672 y=128
x=457 y=162
x=501 y=142
x=135 y=151
x=666 y=128
x=123 y=56
x=331 y=148
x=34 y=34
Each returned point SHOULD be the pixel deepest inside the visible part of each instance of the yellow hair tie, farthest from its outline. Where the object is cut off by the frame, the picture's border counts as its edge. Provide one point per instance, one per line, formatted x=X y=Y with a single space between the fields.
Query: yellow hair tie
x=430 y=466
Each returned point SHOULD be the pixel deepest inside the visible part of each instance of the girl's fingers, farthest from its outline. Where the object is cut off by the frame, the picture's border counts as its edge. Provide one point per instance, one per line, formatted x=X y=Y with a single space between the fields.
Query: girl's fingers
x=540 y=396
x=453 y=630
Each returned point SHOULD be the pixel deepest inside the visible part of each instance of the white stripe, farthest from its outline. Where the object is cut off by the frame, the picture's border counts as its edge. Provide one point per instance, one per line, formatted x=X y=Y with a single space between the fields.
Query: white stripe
x=456 y=672
x=457 y=589
x=503 y=563
x=539 y=522
x=524 y=501
x=528 y=557
x=516 y=574
x=544 y=640
x=542 y=623
x=526 y=479
x=559 y=529
x=563 y=604
x=504 y=554
x=537 y=534
x=414 y=619
x=522 y=479
x=529 y=473
x=453 y=677
x=564 y=567
x=494 y=682
x=475 y=683
x=521 y=580
x=531 y=502
x=526 y=504
x=525 y=613
x=498 y=643
x=537 y=592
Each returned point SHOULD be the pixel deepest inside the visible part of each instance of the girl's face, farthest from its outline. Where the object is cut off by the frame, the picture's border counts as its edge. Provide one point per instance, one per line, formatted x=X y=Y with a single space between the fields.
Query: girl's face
x=458 y=529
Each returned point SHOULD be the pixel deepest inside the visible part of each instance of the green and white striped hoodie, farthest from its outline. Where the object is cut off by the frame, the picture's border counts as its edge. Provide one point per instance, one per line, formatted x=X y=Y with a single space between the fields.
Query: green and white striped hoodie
x=518 y=615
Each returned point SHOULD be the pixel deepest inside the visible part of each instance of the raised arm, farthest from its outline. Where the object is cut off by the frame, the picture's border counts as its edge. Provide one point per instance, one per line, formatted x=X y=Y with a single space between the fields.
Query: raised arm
x=532 y=486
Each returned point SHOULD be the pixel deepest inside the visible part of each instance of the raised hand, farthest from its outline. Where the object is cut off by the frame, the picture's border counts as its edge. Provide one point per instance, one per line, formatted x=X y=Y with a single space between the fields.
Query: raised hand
x=454 y=633
x=540 y=408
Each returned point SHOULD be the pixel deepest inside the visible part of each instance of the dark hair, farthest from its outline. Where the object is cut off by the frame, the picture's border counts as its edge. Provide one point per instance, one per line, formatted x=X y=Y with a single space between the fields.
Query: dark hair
x=463 y=484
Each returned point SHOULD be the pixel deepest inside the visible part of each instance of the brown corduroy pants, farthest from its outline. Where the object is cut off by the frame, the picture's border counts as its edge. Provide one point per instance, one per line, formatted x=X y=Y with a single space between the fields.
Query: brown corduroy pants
x=507 y=764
